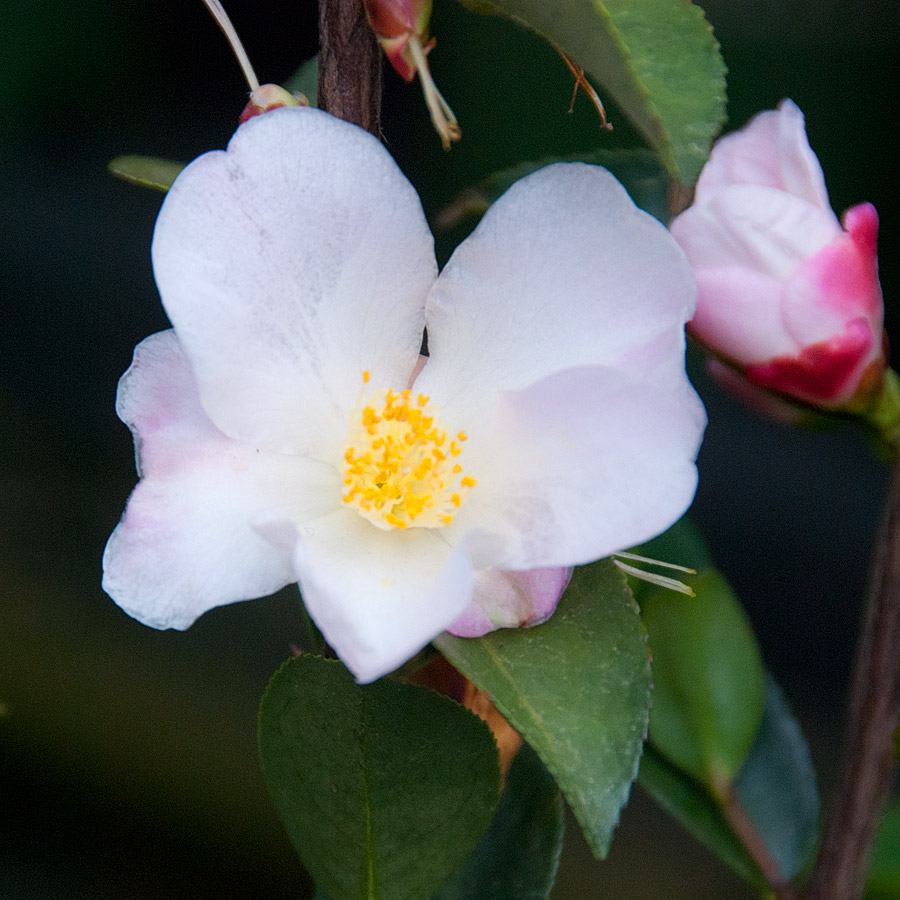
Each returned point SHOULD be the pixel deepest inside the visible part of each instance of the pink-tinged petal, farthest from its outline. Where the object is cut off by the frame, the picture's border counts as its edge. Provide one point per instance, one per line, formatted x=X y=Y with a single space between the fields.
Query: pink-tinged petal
x=758 y=228
x=584 y=463
x=379 y=596
x=289 y=264
x=770 y=151
x=837 y=285
x=739 y=315
x=827 y=373
x=511 y=600
x=186 y=542
x=861 y=223
x=563 y=271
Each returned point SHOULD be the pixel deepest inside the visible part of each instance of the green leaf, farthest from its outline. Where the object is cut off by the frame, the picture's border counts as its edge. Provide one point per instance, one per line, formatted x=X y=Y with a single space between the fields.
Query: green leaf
x=517 y=857
x=690 y=803
x=708 y=679
x=578 y=690
x=776 y=788
x=883 y=882
x=306 y=81
x=682 y=544
x=658 y=59
x=147 y=171
x=384 y=788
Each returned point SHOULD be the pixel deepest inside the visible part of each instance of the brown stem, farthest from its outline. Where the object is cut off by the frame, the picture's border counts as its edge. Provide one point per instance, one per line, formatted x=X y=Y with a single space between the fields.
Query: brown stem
x=349 y=64
x=843 y=859
x=743 y=827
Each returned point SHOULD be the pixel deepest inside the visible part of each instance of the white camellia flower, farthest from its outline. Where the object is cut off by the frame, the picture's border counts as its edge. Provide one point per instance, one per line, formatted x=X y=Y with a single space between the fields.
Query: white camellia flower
x=278 y=436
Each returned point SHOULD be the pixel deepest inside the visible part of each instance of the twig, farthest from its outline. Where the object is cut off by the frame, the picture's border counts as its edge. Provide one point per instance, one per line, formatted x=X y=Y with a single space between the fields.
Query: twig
x=865 y=785
x=349 y=64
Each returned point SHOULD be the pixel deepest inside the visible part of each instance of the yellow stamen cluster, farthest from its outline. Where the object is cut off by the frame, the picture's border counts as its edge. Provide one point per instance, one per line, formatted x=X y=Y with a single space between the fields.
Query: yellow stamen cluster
x=400 y=467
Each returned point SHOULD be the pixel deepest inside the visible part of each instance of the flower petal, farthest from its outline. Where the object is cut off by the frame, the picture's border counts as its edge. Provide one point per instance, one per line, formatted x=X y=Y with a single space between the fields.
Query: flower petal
x=563 y=271
x=379 y=596
x=585 y=463
x=511 y=600
x=186 y=543
x=289 y=264
x=741 y=310
x=759 y=228
x=772 y=150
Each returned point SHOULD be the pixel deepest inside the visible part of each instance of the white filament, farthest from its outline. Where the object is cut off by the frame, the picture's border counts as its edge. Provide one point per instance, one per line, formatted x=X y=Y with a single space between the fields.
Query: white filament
x=237 y=47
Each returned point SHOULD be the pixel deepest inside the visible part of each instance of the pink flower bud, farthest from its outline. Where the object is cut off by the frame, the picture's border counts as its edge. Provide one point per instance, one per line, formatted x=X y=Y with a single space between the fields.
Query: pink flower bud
x=787 y=296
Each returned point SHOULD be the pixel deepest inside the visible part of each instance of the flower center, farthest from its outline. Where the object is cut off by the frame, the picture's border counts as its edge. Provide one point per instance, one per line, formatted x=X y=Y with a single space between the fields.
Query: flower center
x=400 y=468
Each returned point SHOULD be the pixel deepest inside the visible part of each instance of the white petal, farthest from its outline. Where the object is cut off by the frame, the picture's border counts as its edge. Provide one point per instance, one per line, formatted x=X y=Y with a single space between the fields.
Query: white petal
x=586 y=462
x=772 y=151
x=186 y=543
x=758 y=228
x=563 y=270
x=379 y=596
x=289 y=264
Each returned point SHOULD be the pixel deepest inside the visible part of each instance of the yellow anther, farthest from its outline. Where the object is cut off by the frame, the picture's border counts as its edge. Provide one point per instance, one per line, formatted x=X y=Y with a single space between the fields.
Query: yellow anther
x=394 y=469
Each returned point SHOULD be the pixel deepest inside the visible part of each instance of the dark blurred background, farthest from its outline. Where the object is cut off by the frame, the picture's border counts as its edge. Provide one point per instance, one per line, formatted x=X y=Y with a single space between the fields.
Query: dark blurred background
x=128 y=756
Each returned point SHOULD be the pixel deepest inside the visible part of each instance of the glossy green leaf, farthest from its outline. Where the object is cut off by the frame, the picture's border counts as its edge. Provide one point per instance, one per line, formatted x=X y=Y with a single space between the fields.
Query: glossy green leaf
x=517 y=857
x=776 y=787
x=657 y=59
x=577 y=688
x=147 y=171
x=883 y=882
x=682 y=545
x=384 y=788
x=708 y=679
x=691 y=804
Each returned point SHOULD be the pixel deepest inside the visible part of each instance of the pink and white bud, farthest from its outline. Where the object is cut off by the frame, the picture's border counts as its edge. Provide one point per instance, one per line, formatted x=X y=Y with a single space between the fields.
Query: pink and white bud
x=787 y=296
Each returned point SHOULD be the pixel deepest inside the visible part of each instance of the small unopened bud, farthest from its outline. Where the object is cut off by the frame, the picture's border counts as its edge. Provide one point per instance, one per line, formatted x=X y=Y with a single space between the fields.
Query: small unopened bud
x=401 y=27
x=268 y=97
x=789 y=297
